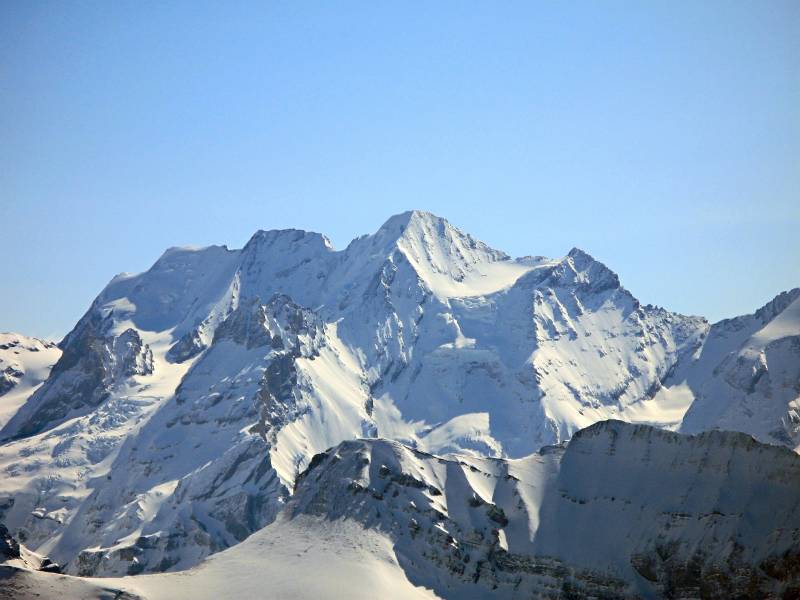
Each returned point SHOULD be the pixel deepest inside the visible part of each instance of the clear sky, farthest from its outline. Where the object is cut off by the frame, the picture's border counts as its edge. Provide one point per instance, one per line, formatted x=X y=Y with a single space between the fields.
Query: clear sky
x=661 y=137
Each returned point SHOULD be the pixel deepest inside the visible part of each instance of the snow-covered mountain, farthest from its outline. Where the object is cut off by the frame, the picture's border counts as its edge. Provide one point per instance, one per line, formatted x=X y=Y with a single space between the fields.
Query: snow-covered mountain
x=189 y=398
x=623 y=511
x=746 y=377
x=25 y=362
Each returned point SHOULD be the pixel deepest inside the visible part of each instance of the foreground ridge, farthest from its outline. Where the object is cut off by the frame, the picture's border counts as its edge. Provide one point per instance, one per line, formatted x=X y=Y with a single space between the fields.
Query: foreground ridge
x=621 y=511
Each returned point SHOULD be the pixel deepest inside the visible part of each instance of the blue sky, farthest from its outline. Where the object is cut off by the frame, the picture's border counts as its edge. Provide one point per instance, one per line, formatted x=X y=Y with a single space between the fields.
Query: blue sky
x=661 y=137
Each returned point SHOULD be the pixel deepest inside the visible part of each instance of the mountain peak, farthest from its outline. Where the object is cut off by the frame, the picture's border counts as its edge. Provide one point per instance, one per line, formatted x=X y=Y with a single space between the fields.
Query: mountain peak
x=424 y=229
x=777 y=305
x=405 y=223
x=441 y=254
x=414 y=215
x=581 y=255
x=582 y=268
x=288 y=237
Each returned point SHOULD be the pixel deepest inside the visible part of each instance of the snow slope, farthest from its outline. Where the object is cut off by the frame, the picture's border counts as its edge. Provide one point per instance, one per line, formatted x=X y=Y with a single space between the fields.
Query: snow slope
x=21 y=584
x=25 y=363
x=746 y=377
x=306 y=557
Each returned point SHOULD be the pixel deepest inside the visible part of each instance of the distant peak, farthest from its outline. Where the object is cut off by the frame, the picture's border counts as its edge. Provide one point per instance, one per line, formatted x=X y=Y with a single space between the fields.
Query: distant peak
x=577 y=253
x=176 y=256
x=176 y=251
x=777 y=305
x=398 y=223
x=419 y=214
x=578 y=268
x=768 y=312
x=286 y=237
x=10 y=339
x=424 y=225
x=583 y=261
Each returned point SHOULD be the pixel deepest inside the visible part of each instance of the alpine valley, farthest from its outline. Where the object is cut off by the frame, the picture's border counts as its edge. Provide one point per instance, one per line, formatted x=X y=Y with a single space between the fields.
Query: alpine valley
x=415 y=416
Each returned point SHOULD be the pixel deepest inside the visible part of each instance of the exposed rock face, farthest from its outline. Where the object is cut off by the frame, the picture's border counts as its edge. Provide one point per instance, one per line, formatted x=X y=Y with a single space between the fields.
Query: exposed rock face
x=9 y=377
x=94 y=361
x=9 y=547
x=13 y=553
x=188 y=346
